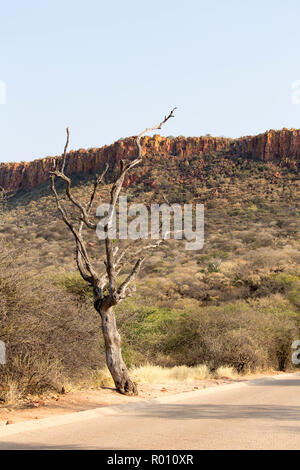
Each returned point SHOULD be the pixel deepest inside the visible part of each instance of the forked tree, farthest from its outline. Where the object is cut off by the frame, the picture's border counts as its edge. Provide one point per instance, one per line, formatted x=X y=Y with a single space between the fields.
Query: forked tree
x=108 y=290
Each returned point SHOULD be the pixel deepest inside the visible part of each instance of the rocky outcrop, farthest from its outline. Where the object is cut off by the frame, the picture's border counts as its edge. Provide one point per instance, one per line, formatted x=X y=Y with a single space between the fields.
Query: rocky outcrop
x=281 y=145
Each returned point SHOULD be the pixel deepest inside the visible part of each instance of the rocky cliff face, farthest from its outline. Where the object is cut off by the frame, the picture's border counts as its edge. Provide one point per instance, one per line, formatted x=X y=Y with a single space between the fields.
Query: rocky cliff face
x=281 y=145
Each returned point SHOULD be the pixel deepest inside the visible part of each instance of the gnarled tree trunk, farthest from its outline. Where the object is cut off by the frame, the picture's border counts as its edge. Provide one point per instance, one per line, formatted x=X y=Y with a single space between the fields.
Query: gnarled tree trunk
x=114 y=360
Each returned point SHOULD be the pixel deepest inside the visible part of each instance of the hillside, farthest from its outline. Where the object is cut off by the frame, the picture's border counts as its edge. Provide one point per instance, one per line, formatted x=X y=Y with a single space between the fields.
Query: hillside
x=236 y=302
x=282 y=146
x=251 y=213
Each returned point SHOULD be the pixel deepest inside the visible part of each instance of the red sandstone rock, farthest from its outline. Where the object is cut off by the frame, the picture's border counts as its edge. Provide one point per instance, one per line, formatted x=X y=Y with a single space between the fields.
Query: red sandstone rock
x=283 y=145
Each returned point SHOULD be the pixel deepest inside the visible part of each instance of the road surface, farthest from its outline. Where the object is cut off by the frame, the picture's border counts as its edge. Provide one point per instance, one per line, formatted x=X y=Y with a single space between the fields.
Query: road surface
x=260 y=414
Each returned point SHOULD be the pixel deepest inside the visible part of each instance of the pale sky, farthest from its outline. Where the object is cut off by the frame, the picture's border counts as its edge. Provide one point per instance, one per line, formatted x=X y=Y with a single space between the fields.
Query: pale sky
x=109 y=69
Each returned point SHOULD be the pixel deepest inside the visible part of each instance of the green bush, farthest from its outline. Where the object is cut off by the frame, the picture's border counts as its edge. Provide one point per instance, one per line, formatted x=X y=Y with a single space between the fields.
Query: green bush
x=244 y=335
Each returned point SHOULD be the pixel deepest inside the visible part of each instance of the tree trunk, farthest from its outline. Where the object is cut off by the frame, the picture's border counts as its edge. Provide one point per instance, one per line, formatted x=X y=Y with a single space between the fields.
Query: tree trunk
x=113 y=352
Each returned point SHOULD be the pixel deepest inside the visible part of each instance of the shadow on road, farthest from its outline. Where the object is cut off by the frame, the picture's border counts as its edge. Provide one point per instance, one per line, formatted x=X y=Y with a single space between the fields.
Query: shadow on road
x=28 y=446
x=280 y=382
x=220 y=412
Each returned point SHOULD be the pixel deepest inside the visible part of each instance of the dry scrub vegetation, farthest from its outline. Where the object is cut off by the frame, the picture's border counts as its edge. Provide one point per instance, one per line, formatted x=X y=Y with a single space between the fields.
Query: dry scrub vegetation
x=150 y=374
x=236 y=303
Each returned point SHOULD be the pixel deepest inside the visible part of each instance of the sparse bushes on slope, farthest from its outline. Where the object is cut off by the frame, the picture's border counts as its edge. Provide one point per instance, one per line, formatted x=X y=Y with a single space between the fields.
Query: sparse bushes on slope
x=235 y=303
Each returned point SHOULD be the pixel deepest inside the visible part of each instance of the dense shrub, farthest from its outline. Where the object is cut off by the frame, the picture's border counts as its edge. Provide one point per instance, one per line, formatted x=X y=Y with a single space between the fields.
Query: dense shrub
x=244 y=335
x=50 y=337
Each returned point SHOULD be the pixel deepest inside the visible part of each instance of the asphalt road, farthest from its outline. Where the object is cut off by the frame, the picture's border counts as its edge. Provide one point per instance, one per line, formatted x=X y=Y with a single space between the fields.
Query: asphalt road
x=262 y=414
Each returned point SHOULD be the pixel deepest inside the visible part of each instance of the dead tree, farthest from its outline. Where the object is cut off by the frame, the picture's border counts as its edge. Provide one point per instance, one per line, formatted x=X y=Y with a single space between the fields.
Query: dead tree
x=107 y=291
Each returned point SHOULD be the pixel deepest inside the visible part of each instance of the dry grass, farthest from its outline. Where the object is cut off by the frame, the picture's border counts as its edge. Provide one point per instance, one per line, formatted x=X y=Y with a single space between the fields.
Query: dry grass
x=102 y=378
x=226 y=371
x=150 y=374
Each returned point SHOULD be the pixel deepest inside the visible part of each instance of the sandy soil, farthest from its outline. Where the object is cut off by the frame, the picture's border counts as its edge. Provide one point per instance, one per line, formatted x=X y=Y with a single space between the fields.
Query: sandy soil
x=79 y=400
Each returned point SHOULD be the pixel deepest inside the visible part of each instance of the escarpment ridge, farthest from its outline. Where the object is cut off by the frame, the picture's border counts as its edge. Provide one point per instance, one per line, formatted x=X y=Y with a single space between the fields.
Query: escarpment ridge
x=274 y=145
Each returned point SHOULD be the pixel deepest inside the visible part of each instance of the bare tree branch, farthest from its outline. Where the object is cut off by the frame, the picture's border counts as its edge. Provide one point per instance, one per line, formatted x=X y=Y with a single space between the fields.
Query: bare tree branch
x=82 y=259
x=65 y=151
x=97 y=182
x=149 y=129
x=123 y=287
x=114 y=196
x=106 y=292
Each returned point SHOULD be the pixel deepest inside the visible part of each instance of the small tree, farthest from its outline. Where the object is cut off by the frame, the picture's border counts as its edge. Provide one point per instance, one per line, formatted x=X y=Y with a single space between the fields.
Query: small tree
x=107 y=291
